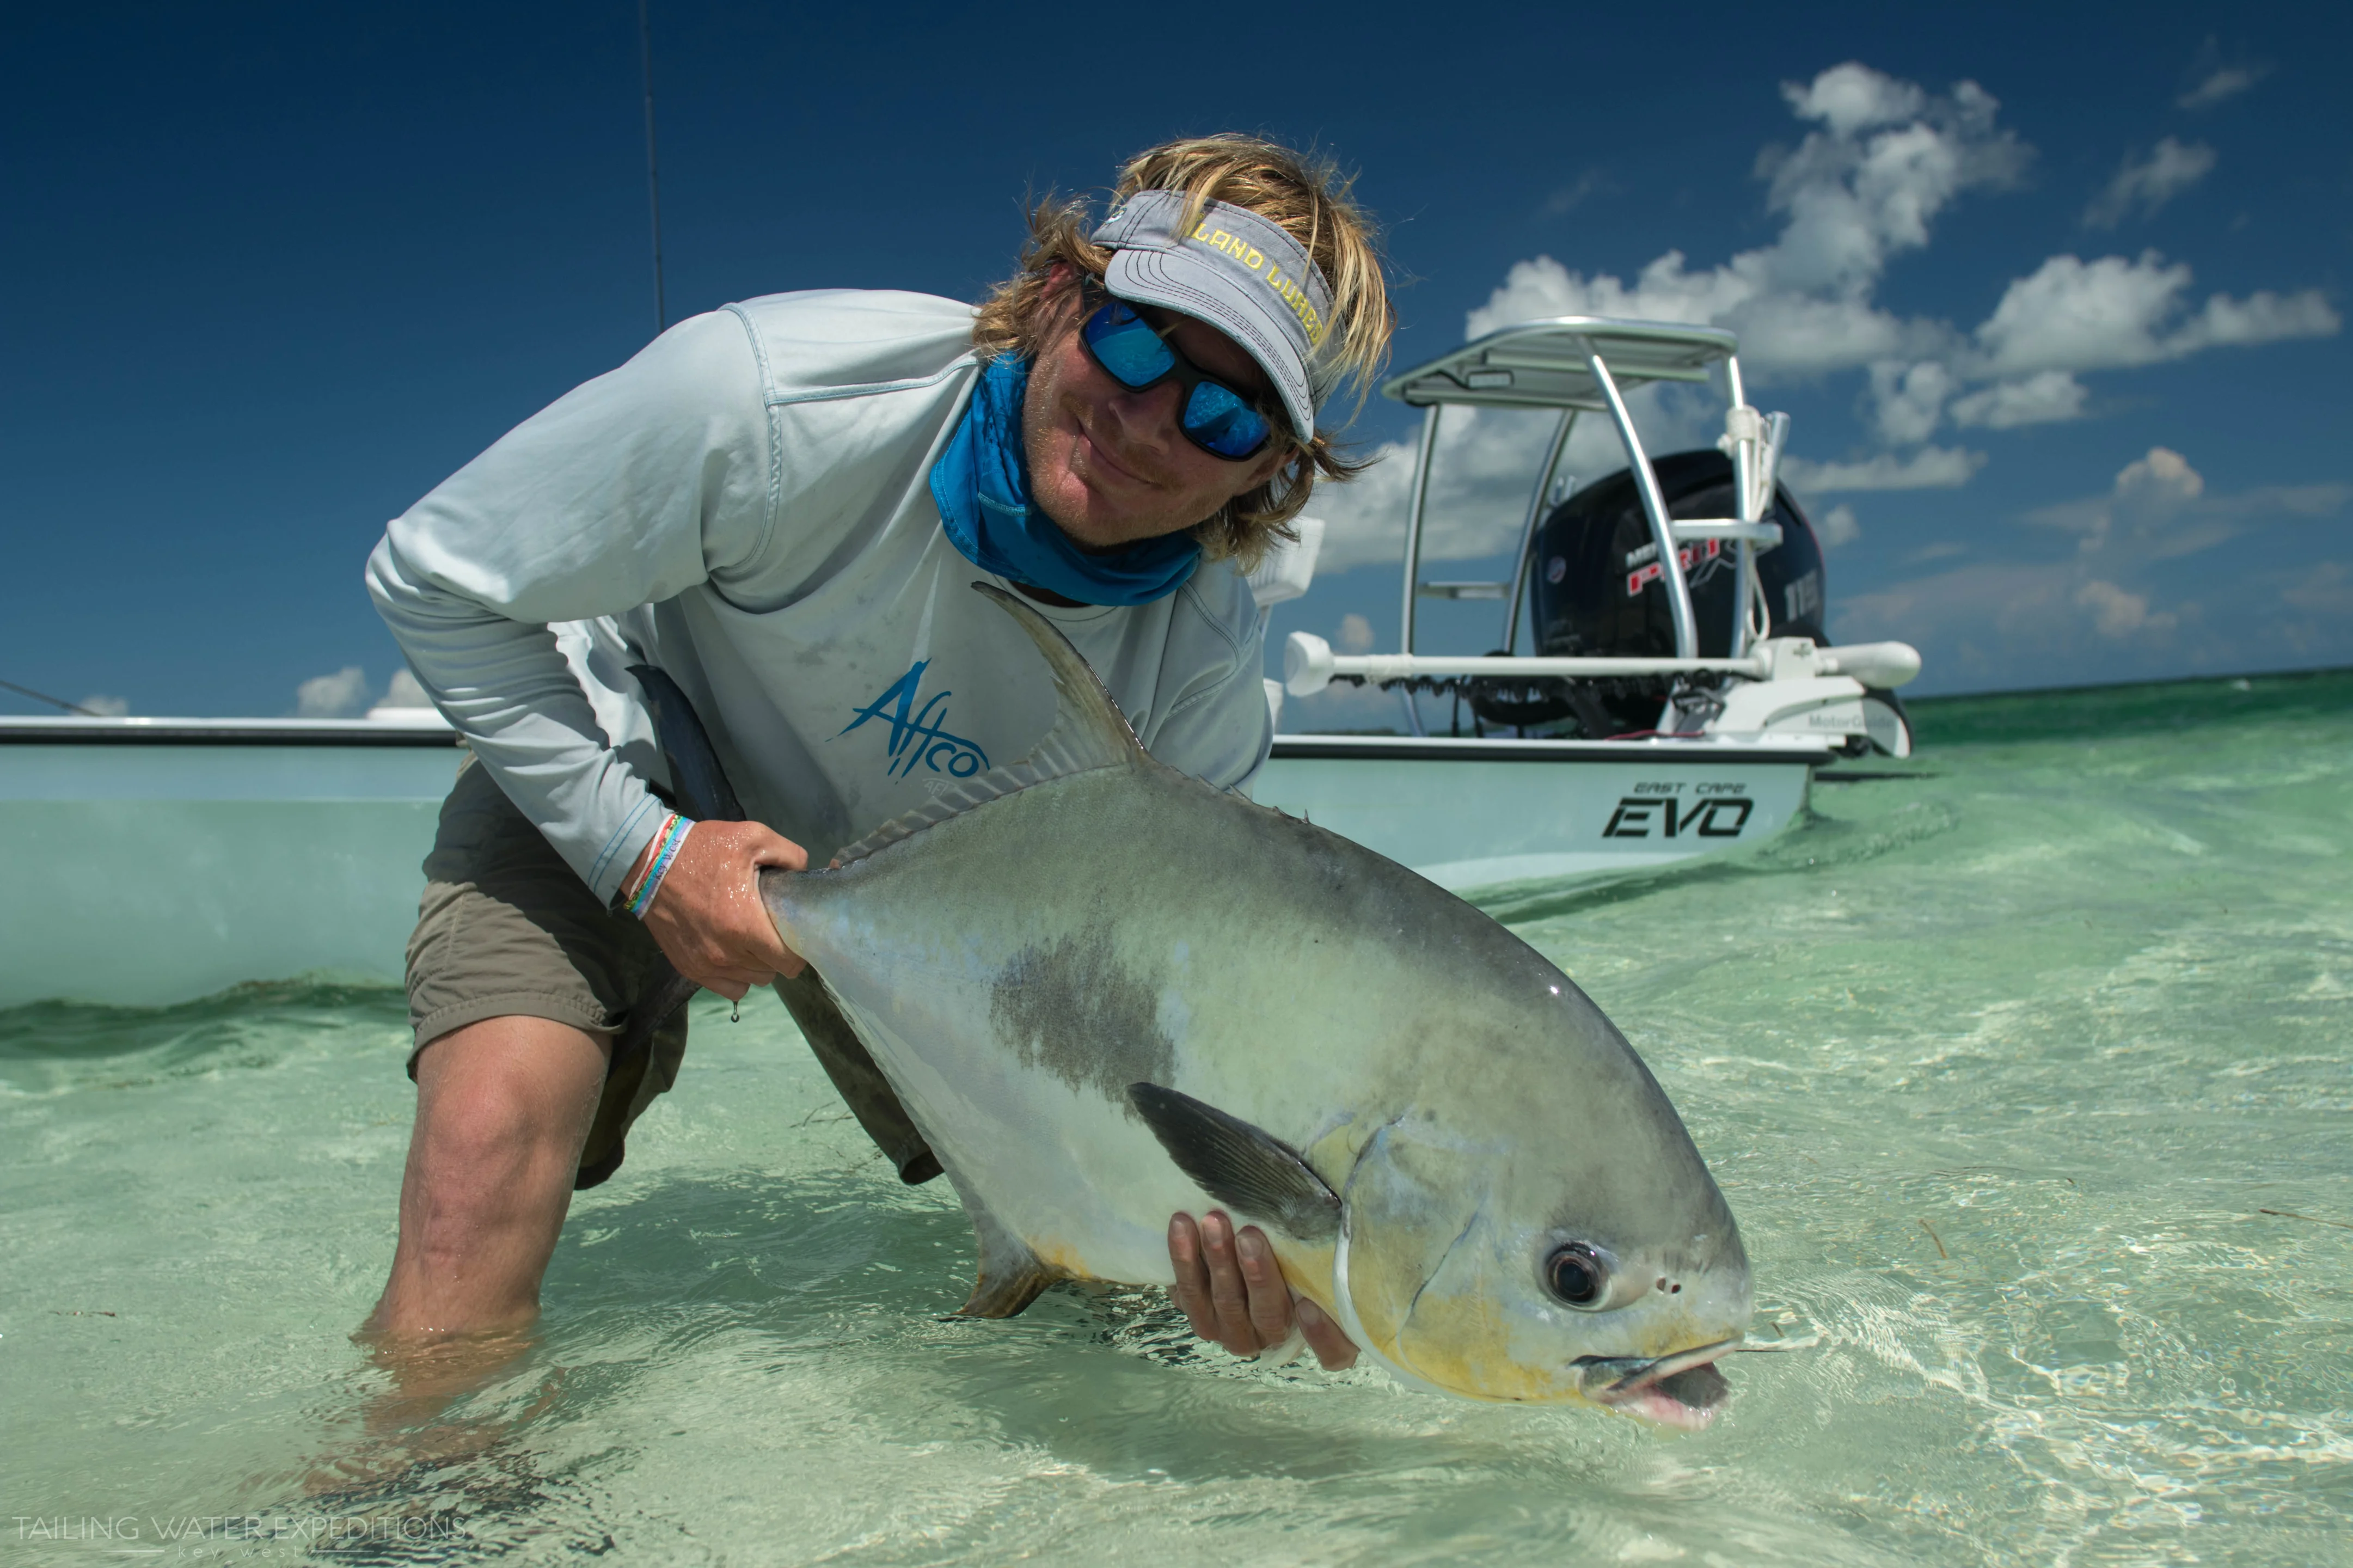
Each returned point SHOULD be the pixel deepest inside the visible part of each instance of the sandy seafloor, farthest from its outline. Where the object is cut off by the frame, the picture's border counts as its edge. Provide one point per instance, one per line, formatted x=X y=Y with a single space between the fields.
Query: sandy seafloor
x=2000 y=1066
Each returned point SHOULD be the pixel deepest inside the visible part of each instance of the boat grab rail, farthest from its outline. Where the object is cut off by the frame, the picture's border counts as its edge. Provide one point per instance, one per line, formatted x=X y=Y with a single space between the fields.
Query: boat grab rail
x=1309 y=665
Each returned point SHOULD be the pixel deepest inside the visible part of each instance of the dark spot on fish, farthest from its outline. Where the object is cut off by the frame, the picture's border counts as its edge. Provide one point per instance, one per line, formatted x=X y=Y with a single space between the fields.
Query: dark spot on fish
x=1071 y=1008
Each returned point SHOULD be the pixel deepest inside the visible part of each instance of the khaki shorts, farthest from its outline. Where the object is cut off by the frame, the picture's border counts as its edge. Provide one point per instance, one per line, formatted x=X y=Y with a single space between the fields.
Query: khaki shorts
x=507 y=929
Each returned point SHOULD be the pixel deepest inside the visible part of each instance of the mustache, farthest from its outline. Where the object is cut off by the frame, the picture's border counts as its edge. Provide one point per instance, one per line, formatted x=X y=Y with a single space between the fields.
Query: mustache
x=1118 y=450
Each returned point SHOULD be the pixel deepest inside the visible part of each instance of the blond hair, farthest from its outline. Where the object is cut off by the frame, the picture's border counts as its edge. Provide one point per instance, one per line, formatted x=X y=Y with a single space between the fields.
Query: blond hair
x=1308 y=199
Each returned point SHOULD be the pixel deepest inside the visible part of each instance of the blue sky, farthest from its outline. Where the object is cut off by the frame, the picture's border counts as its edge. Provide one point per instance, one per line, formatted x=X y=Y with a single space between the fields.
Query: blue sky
x=2063 y=345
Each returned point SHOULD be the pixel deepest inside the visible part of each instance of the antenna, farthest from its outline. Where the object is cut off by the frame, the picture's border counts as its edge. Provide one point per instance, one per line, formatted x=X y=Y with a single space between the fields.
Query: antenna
x=653 y=174
x=53 y=702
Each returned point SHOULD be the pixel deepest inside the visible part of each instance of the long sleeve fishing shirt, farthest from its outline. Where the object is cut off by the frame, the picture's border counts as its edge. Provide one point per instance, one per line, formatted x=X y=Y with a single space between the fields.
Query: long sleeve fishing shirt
x=745 y=505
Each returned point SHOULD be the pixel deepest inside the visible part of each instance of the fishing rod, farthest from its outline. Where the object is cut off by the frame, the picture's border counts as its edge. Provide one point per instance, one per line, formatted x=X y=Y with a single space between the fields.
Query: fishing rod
x=653 y=173
x=52 y=701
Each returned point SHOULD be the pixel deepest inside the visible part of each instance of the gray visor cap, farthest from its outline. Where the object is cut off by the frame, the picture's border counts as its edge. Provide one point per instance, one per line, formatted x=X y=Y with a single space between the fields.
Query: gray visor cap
x=1235 y=271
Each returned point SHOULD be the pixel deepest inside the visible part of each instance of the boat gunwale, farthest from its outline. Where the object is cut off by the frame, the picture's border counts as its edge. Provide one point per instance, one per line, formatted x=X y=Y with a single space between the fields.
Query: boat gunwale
x=140 y=731
x=1709 y=750
x=1704 y=750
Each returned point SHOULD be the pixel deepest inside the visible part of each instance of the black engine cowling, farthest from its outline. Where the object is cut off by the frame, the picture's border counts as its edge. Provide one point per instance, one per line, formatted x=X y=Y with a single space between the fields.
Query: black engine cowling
x=1595 y=587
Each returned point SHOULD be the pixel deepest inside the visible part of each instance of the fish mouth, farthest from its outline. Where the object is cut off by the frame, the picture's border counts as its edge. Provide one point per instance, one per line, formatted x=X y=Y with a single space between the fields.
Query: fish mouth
x=1685 y=1390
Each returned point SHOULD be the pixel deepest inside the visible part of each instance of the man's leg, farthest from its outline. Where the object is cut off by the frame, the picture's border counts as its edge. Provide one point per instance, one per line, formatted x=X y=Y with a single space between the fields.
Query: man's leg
x=503 y=1109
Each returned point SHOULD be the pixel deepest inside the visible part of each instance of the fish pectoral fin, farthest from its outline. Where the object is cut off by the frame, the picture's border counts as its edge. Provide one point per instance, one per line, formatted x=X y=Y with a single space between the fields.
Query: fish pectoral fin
x=1011 y=1275
x=1244 y=1167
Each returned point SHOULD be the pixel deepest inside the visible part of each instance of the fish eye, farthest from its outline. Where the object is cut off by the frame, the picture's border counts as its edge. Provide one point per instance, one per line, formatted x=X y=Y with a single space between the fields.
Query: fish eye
x=1578 y=1274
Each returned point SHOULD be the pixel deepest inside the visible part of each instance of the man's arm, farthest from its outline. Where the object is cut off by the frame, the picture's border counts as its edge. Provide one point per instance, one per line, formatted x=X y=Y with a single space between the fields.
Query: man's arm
x=627 y=491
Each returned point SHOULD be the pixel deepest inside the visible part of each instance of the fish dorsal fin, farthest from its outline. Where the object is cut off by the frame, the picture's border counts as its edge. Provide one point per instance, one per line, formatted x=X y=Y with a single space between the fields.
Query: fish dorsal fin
x=1089 y=732
x=1244 y=1167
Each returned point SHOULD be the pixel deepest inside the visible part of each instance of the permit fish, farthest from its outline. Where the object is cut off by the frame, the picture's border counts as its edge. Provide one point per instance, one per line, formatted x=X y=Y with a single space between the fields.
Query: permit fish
x=1106 y=992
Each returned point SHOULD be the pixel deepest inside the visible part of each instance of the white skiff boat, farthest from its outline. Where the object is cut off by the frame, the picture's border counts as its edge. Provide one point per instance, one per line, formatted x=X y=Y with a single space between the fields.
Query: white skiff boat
x=156 y=859
x=1637 y=731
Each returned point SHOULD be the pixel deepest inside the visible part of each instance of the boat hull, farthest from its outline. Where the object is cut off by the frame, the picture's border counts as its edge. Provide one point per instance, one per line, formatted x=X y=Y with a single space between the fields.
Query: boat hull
x=155 y=862
x=1470 y=814
x=154 y=871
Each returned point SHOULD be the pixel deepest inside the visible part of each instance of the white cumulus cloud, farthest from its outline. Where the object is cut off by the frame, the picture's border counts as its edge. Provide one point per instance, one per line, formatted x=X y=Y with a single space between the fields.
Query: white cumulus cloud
x=2073 y=315
x=2159 y=507
x=403 y=690
x=1908 y=400
x=1854 y=97
x=1839 y=526
x=1996 y=618
x=1930 y=468
x=105 y=707
x=333 y=696
x=2222 y=83
x=1880 y=161
x=2120 y=613
x=2147 y=183
x=2324 y=589
x=1567 y=198
x=1885 y=159
x=2042 y=398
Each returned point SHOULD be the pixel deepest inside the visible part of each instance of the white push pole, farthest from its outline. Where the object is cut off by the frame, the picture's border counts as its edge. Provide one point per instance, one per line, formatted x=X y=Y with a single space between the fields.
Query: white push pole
x=1743 y=435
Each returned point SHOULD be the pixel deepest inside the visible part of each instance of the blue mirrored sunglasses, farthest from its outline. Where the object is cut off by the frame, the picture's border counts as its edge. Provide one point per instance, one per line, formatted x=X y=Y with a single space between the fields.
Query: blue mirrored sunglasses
x=1214 y=418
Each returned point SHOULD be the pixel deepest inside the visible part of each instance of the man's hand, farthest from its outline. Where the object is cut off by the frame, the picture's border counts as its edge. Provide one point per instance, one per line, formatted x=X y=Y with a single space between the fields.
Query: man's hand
x=707 y=916
x=1231 y=1287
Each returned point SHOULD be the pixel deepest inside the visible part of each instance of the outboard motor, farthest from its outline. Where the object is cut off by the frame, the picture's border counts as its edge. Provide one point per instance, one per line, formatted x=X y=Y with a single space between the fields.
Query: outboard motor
x=1596 y=588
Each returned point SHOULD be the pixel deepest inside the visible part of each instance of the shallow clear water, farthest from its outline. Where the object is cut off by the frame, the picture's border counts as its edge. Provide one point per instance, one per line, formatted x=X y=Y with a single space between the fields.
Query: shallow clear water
x=2000 y=1066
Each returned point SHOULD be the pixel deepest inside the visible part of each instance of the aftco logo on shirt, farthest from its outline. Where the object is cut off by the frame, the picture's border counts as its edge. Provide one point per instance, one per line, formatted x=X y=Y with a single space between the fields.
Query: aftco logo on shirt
x=916 y=735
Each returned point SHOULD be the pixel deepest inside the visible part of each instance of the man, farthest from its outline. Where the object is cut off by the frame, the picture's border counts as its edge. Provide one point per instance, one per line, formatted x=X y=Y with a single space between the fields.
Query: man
x=781 y=505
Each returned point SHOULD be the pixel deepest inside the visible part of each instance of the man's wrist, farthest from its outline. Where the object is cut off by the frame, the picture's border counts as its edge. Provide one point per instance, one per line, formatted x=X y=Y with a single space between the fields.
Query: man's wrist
x=638 y=891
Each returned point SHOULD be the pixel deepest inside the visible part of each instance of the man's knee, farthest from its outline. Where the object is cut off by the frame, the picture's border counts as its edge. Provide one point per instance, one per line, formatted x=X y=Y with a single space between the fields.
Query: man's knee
x=503 y=1107
x=482 y=1134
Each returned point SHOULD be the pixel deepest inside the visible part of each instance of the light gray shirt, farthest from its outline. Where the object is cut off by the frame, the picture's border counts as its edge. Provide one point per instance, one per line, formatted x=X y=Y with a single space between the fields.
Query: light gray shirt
x=746 y=505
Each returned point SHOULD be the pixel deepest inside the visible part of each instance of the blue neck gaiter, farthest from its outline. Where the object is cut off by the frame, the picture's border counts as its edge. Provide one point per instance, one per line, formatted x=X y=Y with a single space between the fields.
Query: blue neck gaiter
x=982 y=485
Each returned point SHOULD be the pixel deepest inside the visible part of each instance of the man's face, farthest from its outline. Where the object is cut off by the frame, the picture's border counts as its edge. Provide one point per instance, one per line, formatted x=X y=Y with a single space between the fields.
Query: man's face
x=1110 y=466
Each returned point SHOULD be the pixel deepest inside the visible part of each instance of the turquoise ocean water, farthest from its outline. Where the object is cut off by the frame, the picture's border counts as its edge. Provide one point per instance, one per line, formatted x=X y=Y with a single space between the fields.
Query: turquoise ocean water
x=2027 y=1076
